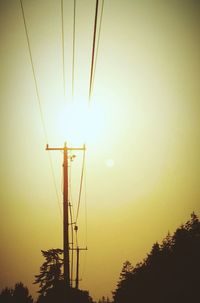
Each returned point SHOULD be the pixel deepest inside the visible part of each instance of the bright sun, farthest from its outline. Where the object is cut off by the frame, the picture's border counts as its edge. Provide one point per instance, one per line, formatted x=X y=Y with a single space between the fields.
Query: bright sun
x=81 y=123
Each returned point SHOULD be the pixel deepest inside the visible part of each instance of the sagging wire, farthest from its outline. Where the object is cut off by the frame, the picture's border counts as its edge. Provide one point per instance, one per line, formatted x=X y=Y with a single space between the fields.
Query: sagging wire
x=81 y=185
x=39 y=100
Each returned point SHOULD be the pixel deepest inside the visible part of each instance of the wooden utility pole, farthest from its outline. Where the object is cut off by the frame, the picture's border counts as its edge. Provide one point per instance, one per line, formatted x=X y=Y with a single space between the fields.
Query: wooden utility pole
x=66 y=247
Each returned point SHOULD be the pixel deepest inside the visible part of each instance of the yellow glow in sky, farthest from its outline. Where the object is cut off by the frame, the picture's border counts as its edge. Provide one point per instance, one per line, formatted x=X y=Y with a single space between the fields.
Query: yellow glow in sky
x=110 y=162
x=142 y=132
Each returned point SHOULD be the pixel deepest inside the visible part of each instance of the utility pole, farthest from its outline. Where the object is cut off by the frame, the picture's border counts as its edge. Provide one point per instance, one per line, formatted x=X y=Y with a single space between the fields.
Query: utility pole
x=66 y=247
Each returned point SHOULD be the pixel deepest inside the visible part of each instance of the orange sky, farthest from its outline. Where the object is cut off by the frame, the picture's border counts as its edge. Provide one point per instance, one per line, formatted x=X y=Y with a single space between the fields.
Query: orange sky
x=142 y=168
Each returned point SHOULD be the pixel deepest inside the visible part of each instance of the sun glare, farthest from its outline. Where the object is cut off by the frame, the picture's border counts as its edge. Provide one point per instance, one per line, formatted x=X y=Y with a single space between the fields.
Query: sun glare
x=81 y=123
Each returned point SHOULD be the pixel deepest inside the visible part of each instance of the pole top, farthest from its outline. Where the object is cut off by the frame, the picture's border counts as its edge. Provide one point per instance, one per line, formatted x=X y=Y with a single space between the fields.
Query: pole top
x=65 y=147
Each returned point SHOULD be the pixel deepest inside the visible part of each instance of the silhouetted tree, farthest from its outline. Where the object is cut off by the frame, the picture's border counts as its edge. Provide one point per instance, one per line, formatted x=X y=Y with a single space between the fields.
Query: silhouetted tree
x=50 y=271
x=6 y=295
x=125 y=276
x=51 y=282
x=61 y=294
x=19 y=294
x=169 y=273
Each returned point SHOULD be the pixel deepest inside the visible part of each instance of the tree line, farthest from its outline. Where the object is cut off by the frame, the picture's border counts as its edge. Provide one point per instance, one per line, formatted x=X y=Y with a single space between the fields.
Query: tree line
x=169 y=273
x=18 y=294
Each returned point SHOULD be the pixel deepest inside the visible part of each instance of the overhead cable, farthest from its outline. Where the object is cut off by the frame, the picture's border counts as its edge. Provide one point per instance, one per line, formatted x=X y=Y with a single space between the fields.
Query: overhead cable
x=54 y=182
x=72 y=242
x=73 y=57
x=34 y=75
x=98 y=40
x=93 y=49
x=63 y=49
x=81 y=185
x=39 y=100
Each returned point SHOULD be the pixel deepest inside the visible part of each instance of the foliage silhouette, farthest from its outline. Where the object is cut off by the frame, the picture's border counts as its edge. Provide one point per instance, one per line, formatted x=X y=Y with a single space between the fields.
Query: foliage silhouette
x=104 y=300
x=61 y=294
x=170 y=272
x=6 y=295
x=50 y=271
x=51 y=282
x=19 y=294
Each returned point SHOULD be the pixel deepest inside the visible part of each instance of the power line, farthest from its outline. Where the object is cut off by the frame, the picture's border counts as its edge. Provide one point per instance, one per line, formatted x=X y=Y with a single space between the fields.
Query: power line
x=54 y=182
x=63 y=47
x=81 y=185
x=39 y=100
x=73 y=57
x=85 y=190
x=97 y=50
x=72 y=241
x=34 y=75
x=86 y=226
x=70 y=188
x=93 y=49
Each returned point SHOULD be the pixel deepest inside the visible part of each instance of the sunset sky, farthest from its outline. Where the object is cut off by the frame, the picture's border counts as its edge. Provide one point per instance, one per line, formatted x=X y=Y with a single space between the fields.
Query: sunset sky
x=142 y=133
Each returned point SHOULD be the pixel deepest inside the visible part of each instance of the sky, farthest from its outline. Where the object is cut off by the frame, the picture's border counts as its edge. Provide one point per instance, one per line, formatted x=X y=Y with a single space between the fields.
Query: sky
x=143 y=132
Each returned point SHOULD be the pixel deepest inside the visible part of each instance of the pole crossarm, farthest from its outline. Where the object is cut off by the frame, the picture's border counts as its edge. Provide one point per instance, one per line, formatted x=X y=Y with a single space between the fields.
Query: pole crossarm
x=65 y=148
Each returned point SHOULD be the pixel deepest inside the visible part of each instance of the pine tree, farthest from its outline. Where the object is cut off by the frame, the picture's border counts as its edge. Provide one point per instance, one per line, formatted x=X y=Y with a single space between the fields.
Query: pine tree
x=50 y=271
x=6 y=295
x=21 y=294
x=170 y=272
